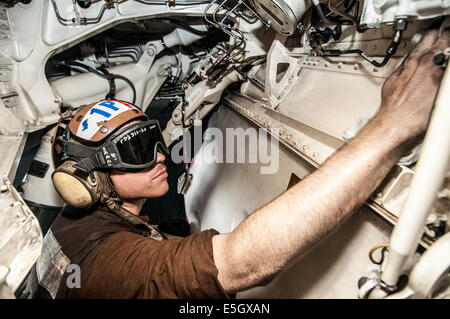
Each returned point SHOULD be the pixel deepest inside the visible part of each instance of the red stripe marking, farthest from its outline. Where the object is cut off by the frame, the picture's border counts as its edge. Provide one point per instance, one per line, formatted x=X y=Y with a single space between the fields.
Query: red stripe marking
x=131 y=107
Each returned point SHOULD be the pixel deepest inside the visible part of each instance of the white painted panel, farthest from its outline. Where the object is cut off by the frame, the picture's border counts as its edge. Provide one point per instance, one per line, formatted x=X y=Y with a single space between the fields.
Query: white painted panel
x=222 y=195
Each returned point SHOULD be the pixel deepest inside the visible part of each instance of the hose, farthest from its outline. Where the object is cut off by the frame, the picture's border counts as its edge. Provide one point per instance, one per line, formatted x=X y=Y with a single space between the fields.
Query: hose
x=390 y=51
x=346 y=15
x=131 y=85
x=188 y=27
x=102 y=75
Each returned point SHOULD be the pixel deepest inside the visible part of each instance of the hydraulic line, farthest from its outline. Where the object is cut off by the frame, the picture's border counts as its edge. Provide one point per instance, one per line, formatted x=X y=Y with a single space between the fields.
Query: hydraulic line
x=80 y=20
x=188 y=27
x=346 y=15
x=321 y=14
x=390 y=51
x=102 y=75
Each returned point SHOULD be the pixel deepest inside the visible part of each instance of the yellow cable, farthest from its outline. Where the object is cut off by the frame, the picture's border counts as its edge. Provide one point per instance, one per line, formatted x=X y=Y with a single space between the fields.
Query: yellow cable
x=373 y=250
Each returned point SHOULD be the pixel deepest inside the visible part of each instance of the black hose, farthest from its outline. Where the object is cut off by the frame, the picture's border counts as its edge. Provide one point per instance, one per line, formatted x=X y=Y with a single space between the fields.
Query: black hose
x=84 y=66
x=102 y=75
x=125 y=79
x=189 y=28
x=390 y=51
x=323 y=16
x=350 y=7
x=347 y=16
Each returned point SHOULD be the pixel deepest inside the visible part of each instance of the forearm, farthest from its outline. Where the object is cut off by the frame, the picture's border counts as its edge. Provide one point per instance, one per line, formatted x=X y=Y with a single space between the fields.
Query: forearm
x=288 y=226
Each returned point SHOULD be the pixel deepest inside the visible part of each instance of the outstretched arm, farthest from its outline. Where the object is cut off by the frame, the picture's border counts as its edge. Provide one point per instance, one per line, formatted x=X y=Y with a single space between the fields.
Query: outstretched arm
x=281 y=231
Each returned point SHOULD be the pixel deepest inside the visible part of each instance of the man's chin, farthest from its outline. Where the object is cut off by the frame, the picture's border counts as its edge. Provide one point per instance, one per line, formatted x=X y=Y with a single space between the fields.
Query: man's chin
x=162 y=189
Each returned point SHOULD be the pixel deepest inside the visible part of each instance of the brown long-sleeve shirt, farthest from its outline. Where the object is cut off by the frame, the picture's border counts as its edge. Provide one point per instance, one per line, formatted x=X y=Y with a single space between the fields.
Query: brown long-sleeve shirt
x=117 y=259
x=129 y=265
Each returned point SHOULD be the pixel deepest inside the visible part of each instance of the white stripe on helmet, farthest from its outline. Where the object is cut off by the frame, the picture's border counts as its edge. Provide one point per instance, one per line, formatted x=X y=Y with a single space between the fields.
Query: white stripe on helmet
x=100 y=112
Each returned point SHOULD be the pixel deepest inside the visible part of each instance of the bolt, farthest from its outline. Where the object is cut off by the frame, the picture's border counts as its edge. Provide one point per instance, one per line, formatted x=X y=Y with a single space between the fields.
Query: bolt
x=151 y=51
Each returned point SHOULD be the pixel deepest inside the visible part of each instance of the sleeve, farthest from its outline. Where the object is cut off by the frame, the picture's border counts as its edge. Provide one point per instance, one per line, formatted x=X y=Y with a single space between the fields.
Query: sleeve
x=128 y=265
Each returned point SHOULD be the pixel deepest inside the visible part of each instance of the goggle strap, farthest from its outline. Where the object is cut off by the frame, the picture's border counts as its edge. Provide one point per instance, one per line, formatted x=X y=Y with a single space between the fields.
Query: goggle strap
x=77 y=150
x=80 y=151
x=85 y=165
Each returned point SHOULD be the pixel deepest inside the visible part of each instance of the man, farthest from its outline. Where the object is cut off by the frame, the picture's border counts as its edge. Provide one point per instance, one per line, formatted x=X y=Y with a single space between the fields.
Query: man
x=121 y=256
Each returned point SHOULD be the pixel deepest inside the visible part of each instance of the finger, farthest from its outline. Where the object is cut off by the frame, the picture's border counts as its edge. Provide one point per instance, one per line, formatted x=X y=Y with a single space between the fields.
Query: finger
x=443 y=42
x=426 y=42
x=421 y=56
x=409 y=65
x=426 y=61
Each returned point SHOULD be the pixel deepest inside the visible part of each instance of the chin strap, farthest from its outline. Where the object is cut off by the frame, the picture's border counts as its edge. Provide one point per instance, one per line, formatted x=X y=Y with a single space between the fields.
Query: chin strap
x=113 y=206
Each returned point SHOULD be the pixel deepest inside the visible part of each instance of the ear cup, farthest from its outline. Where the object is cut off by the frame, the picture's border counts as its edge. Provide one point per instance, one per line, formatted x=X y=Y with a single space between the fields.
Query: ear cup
x=77 y=189
x=72 y=190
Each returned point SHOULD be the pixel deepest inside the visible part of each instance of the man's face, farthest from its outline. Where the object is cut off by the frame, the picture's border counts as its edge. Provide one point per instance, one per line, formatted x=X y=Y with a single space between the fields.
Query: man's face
x=148 y=183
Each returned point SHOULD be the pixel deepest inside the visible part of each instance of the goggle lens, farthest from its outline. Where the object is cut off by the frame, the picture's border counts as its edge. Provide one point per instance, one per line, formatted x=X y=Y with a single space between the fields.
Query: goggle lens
x=139 y=146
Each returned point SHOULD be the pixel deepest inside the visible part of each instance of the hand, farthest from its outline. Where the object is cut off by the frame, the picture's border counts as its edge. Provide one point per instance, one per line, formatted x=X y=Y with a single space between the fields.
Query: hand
x=408 y=94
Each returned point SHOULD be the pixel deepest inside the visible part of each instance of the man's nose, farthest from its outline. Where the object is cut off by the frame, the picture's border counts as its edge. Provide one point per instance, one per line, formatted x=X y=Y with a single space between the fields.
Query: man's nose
x=160 y=158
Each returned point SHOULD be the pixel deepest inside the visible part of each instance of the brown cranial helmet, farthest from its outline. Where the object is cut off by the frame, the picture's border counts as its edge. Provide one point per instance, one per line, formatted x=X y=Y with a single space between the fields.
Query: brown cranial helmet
x=78 y=178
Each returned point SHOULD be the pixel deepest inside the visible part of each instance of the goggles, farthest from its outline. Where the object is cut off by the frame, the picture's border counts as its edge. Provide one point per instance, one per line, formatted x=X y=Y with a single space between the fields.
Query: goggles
x=132 y=148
